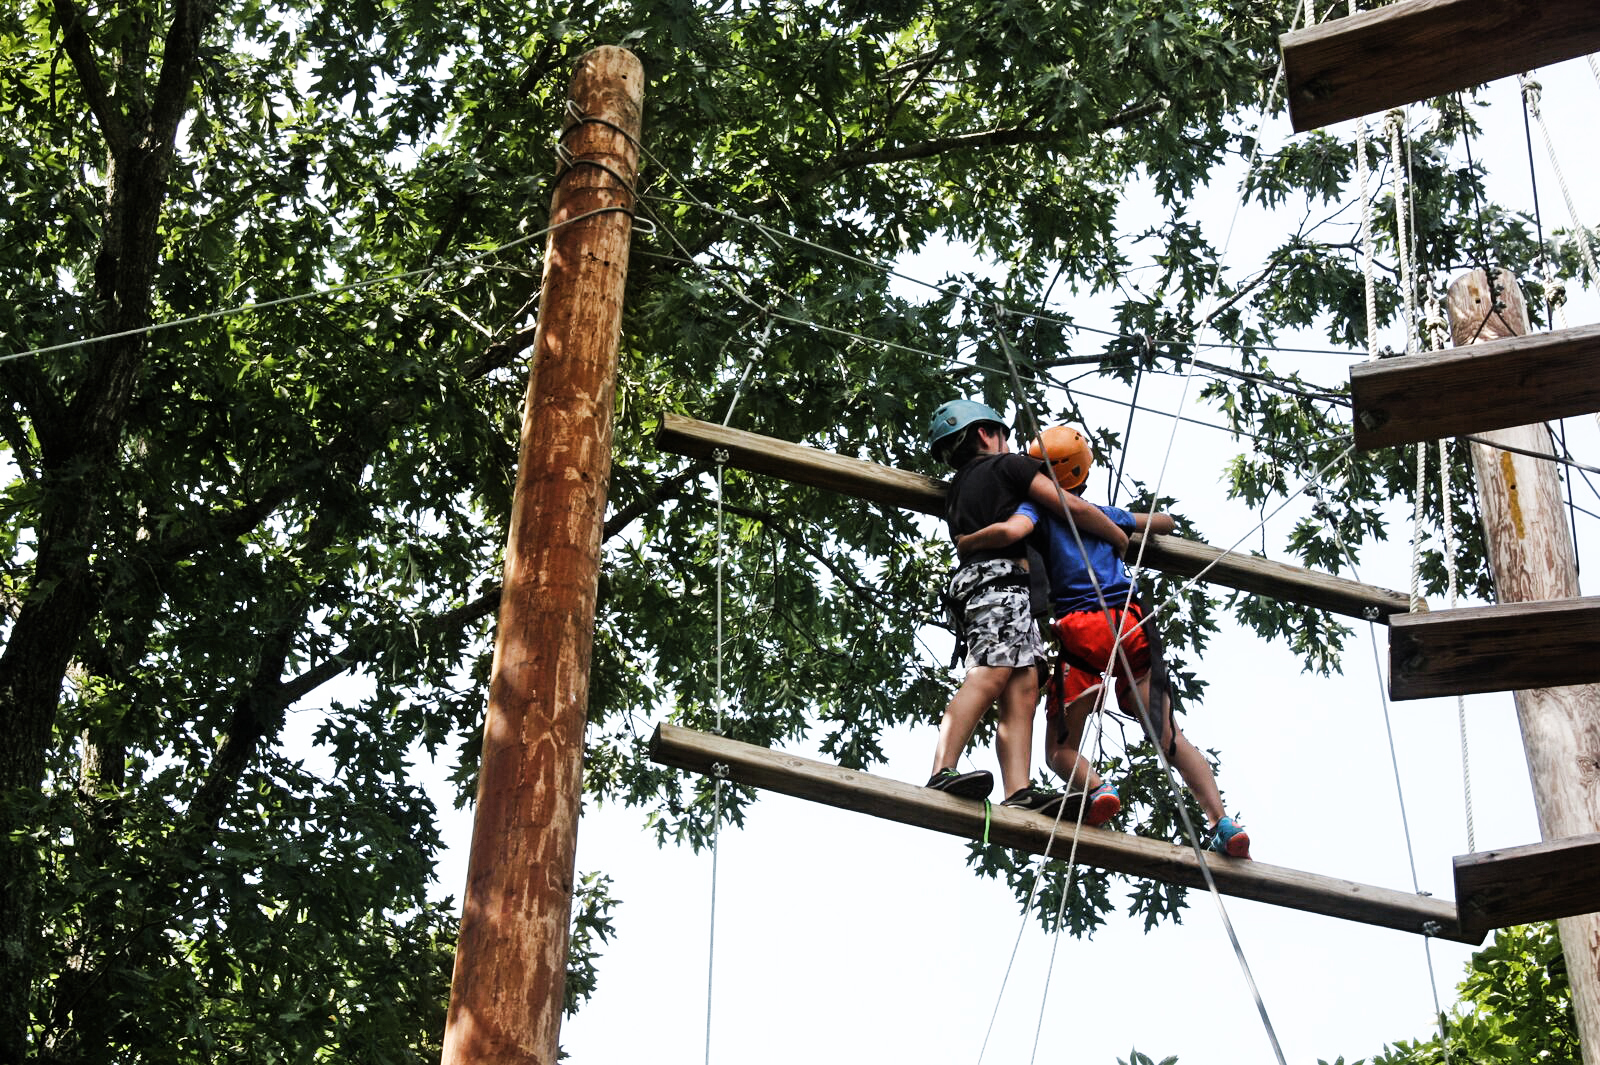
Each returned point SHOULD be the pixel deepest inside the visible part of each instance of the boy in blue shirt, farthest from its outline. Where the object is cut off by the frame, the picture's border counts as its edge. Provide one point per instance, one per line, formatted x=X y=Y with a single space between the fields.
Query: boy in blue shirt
x=1089 y=589
x=1005 y=653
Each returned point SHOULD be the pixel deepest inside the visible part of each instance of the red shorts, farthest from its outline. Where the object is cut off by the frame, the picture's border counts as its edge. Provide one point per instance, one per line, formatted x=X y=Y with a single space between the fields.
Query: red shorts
x=1088 y=641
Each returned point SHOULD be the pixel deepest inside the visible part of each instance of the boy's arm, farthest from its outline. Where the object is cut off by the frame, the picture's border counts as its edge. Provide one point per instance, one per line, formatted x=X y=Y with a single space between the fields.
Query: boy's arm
x=1089 y=518
x=1160 y=524
x=998 y=535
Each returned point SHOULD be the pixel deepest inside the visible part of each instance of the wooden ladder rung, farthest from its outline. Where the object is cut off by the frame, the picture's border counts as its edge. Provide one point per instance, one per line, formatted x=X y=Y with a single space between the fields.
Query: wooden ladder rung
x=1119 y=852
x=1493 y=385
x=1537 y=882
x=1551 y=643
x=1415 y=49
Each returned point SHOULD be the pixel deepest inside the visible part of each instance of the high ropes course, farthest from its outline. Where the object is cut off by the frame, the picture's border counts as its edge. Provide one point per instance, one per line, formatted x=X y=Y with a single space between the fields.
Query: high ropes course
x=1498 y=381
x=1499 y=376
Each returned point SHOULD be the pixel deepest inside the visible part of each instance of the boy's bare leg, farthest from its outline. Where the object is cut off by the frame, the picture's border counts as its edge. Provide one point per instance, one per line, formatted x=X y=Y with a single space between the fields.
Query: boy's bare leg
x=1062 y=750
x=1189 y=762
x=979 y=690
x=1014 y=741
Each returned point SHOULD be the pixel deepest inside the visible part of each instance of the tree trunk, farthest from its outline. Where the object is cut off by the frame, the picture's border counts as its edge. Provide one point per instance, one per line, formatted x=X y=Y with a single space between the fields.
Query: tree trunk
x=79 y=432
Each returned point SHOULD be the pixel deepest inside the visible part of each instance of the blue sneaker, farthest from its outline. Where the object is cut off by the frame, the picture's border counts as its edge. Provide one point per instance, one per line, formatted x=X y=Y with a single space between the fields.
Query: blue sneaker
x=1231 y=839
x=1103 y=805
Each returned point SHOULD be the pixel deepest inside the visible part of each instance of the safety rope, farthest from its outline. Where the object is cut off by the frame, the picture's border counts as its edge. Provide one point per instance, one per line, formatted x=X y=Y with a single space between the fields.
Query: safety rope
x=1401 y=179
x=1368 y=251
x=1530 y=96
x=720 y=456
x=719 y=771
x=1109 y=685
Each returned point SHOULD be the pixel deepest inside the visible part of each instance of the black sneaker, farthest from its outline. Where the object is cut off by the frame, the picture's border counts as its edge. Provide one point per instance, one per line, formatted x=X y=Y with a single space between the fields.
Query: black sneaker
x=976 y=785
x=1036 y=799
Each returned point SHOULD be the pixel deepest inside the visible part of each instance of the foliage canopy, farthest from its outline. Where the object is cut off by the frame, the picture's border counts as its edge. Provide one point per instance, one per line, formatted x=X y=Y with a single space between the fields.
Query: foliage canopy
x=210 y=521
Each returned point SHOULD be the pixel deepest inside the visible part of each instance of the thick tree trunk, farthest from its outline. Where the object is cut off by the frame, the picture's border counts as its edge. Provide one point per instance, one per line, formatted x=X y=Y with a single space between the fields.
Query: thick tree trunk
x=79 y=432
x=1531 y=553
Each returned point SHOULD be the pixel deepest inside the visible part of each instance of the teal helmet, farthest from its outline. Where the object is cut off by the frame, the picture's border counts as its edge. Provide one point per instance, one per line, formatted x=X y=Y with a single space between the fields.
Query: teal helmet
x=956 y=415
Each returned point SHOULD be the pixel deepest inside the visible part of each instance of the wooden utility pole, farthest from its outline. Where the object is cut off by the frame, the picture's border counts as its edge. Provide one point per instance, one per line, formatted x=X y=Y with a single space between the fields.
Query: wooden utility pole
x=1532 y=558
x=510 y=971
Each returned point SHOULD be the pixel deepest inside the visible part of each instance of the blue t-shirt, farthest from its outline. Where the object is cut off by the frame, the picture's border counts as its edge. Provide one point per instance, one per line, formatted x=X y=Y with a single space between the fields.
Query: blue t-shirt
x=1071 y=591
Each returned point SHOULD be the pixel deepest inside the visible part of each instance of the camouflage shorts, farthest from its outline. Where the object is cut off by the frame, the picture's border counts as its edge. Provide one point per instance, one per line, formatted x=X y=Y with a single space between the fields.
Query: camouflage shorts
x=996 y=621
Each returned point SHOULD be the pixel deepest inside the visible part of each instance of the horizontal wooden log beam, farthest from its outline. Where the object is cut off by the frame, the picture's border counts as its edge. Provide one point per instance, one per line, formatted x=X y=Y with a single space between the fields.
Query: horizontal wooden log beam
x=1538 y=882
x=1554 y=643
x=1404 y=52
x=1034 y=833
x=1519 y=380
x=914 y=491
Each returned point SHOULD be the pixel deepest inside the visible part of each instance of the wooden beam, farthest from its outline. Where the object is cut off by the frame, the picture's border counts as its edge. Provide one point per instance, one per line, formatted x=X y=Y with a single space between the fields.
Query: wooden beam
x=913 y=491
x=1404 y=52
x=1457 y=391
x=1538 y=882
x=1554 y=643
x=922 y=807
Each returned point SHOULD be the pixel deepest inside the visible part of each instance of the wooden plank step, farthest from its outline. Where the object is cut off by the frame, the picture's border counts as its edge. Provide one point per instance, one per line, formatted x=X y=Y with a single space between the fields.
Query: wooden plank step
x=1552 y=643
x=1518 y=380
x=1537 y=882
x=914 y=491
x=1404 y=52
x=912 y=804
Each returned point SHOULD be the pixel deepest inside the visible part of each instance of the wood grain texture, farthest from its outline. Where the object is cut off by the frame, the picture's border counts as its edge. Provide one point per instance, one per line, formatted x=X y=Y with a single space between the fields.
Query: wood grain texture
x=1034 y=833
x=1552 y=643
x=511 y=956
x=1412 y=50
x=1441 y=394
x=1537 y=882
x=1529 y=544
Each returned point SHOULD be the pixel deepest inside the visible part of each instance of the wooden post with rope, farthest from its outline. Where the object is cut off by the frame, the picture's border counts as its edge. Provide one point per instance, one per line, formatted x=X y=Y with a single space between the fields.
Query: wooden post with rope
x=1532 y=557
x=510 y=970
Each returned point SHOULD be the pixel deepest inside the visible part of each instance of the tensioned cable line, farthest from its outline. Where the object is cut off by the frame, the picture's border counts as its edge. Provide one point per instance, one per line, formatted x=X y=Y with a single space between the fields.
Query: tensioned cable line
x=720 y=772
x=952 y=288
x=456 y=263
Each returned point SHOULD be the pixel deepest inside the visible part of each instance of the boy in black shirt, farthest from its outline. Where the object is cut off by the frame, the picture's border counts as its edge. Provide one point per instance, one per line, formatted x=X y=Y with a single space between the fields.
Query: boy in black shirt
x=1006 y=655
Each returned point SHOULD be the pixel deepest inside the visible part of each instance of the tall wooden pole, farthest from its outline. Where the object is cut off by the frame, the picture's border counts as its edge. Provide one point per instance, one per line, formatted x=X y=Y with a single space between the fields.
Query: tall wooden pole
x=510 y=971
x=1531 y=554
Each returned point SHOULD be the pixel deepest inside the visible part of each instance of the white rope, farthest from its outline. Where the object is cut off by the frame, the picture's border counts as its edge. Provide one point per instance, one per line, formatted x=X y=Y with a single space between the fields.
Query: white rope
x=1450 y=569
x=1530 y=95
x=1437 y=332
x=716 y=821
x=1109 y=684
x=719 y=771
x=1369 y=286
x=1402 y=246
x=1394 y=761
x=1401 y=182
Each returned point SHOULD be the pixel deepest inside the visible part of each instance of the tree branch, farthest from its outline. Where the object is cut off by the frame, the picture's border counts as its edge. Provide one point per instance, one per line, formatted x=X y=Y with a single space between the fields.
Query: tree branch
x=80 y=50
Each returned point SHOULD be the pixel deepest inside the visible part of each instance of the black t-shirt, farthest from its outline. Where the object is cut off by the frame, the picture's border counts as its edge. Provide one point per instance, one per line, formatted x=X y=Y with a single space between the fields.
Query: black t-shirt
x=986 y=490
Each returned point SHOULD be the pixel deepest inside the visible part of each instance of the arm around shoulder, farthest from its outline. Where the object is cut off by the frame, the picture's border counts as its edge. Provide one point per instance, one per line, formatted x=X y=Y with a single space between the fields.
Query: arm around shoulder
x=1159 y=524
x=1086 y=516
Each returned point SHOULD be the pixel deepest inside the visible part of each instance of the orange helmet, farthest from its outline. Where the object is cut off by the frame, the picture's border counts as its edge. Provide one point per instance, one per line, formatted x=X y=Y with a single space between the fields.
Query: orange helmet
x=1068 y=453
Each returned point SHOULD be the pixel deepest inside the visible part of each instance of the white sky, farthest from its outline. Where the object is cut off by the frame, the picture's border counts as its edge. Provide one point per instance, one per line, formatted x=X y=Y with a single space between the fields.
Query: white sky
x=841 y=937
